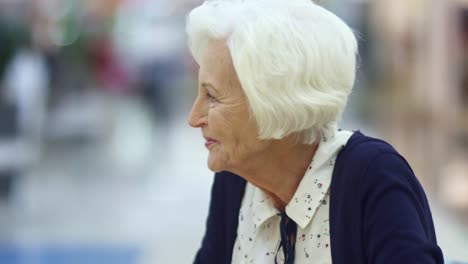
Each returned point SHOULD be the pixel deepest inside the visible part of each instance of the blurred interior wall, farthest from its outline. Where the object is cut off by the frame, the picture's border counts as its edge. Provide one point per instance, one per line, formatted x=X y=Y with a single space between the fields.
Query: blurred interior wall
x=420 y=53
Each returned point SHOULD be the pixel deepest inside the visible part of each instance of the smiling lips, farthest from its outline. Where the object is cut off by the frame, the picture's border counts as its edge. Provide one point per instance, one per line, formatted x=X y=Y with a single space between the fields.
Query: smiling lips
x=209 y=142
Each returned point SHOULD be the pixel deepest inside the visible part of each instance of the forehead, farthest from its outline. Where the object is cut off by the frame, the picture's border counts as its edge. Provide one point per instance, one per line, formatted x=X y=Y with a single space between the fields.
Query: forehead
x=216 y=64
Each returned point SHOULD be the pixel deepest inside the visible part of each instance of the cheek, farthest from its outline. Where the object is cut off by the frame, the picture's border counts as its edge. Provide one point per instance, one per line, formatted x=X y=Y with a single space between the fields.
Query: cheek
x=232 y=126
x=222 y=122
x=244 y=142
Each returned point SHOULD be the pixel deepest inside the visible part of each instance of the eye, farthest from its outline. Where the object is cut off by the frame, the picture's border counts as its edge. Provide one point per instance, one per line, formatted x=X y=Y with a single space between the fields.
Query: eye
x=211 y=97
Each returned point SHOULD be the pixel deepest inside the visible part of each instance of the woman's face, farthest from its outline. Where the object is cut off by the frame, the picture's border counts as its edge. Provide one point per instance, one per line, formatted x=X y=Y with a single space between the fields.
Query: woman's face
x=221 y=111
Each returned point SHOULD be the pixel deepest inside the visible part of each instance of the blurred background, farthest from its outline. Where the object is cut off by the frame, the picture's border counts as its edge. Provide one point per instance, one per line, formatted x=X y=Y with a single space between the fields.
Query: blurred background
x=98 y=165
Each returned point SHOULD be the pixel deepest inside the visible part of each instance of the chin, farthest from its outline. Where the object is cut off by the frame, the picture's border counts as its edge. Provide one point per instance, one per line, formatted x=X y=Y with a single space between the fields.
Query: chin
x=214 y=168
x=215 y=164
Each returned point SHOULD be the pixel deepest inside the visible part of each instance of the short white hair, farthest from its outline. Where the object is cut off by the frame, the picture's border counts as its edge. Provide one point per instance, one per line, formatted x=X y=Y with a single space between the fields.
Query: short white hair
x=295 y=60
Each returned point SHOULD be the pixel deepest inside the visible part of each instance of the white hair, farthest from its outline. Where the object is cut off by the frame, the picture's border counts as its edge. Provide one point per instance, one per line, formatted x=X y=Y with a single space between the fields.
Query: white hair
x=295 y=60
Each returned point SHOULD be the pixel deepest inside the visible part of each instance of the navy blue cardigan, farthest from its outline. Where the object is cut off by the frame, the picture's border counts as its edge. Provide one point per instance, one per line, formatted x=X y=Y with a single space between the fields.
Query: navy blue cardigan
x=378 y=210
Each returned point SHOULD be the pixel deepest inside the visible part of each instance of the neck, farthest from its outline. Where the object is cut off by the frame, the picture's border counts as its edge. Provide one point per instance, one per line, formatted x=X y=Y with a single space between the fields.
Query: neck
x=279 y=170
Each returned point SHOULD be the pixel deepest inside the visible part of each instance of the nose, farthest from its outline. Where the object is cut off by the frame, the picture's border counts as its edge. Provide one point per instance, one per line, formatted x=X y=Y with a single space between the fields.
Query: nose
x=198 y=114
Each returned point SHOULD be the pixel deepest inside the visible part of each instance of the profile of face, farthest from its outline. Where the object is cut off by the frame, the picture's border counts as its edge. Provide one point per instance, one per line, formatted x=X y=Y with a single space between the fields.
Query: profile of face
x=221 y=110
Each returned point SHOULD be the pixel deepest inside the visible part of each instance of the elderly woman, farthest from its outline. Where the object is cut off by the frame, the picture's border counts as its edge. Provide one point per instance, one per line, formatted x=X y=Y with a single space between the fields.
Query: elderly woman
x=290 y=187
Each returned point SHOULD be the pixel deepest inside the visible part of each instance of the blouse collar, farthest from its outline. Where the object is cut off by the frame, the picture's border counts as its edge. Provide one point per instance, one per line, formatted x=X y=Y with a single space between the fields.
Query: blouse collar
x=312 y=188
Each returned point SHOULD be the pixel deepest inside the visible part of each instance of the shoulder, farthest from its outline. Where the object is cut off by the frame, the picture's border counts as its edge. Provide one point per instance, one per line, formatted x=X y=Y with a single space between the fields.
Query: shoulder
x=364 y=147
x=363 y=153
x=373 y=187
x=375 y=171
x=366 y=163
